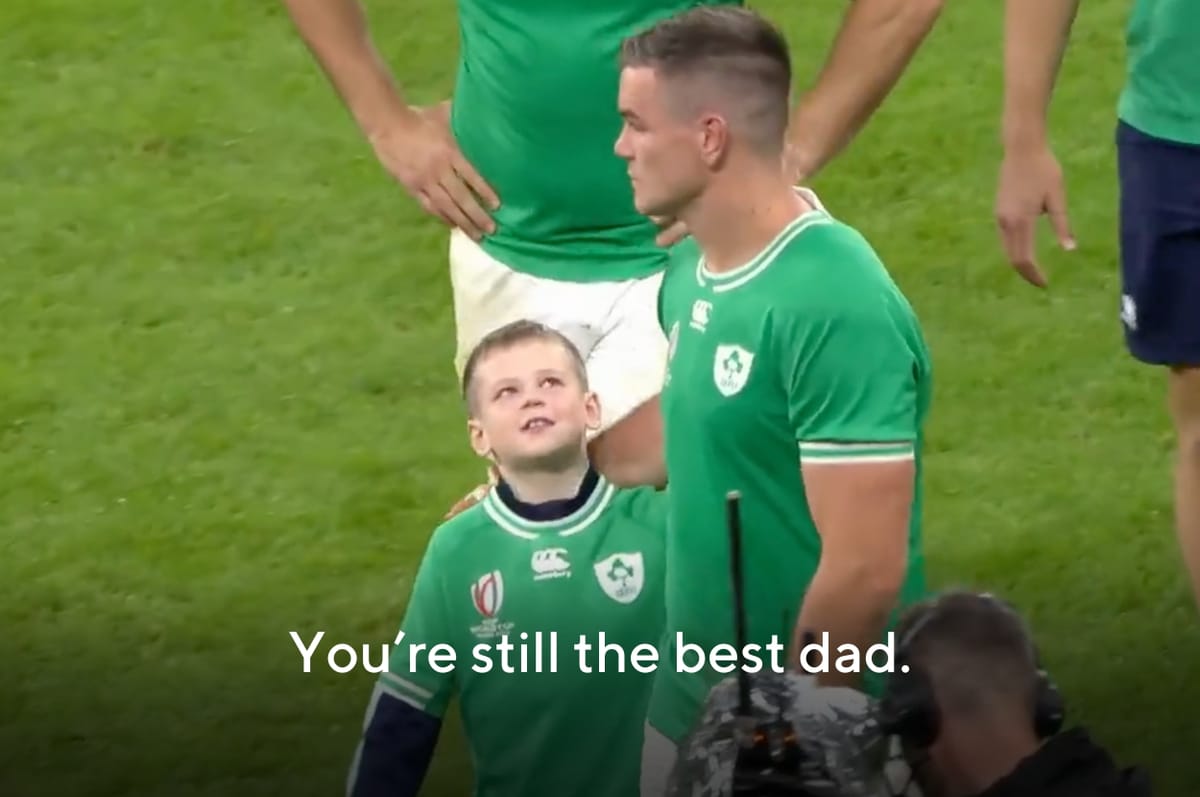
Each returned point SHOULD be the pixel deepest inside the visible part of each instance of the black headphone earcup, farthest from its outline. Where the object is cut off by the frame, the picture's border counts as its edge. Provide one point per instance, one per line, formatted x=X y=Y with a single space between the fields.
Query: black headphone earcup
x=1050 y=710
x=908 y=710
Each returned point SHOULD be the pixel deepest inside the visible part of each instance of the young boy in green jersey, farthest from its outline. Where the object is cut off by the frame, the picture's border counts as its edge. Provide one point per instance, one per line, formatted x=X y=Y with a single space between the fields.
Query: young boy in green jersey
x=797 y=375
x=543 y=591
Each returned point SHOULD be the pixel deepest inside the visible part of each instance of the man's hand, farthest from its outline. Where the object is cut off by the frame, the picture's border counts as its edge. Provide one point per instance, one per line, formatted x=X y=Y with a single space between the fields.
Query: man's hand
x=670 y=231
x=420 y=151
x=1030 y=184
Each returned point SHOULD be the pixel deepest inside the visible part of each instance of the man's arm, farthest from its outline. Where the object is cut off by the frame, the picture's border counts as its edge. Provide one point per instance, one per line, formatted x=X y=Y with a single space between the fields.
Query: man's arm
x=855 y=408
x=874 y=46
x=1031 y=183
x=861 y=509
x=404 y=716
x=337 y=35
x=414 y=145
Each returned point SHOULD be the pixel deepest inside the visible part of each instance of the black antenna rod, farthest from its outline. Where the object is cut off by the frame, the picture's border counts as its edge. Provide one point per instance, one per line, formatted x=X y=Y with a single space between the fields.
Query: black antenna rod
x=732 y=503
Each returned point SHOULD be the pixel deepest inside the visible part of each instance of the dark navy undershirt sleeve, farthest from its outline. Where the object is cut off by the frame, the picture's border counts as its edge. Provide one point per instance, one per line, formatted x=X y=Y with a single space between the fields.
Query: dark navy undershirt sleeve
x=396 y=750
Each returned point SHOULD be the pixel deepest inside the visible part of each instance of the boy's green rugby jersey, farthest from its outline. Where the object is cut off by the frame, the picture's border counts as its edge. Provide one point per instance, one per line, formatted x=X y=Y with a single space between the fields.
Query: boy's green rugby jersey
x=488 y=574
x=807 y=353
x=535 y=111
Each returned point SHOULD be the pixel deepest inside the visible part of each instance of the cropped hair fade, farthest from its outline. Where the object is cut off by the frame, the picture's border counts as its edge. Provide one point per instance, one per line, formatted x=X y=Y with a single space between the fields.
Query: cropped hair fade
x=730 y=48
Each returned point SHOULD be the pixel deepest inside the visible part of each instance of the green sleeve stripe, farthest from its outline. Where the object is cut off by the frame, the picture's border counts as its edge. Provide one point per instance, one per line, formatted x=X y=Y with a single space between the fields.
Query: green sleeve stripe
x=395 y=683
x=856 y=452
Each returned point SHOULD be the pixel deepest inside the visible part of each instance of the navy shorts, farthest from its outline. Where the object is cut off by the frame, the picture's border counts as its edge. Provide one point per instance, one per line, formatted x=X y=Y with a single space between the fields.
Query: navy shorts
x=1160 y=247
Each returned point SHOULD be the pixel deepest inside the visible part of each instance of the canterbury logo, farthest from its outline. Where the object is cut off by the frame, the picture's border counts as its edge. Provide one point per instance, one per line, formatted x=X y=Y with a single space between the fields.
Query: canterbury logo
x=550 y=560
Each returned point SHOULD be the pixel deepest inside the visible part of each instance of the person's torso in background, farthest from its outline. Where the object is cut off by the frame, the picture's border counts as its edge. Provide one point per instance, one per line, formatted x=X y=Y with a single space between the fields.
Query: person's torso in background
x=1162 y=91
x=535 y=111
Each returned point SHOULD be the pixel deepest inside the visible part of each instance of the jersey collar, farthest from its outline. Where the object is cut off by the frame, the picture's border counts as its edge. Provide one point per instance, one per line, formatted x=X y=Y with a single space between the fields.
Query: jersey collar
x=562 y=518
x=728 y=280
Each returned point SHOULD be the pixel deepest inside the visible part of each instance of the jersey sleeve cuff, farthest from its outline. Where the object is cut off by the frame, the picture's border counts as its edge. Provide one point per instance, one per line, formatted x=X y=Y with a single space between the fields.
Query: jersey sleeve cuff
x=824 y=451
x=411 y=693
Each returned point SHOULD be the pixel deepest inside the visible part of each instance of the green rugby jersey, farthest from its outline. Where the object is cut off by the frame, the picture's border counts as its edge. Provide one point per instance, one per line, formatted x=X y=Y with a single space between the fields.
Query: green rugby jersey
x=807 y=352
x=1161 y=96
x=488 y=573
x=535 y=111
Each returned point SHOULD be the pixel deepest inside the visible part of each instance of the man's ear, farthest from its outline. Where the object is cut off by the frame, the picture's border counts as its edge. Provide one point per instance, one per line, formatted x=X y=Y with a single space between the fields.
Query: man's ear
x=714 y=138
x=592 y=411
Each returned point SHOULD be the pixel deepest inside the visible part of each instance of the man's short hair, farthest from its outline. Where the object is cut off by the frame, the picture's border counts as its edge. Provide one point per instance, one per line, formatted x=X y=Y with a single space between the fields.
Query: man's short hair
x=727 y=48
x=976 y=650
x=511 y=334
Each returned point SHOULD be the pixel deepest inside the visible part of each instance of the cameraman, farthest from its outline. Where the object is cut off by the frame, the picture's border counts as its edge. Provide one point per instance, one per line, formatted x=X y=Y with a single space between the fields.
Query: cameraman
x=976 y=715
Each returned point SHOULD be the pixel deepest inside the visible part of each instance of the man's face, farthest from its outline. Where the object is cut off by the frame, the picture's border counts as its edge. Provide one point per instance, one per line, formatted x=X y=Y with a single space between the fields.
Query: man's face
x=531 y=410
x=661 y=149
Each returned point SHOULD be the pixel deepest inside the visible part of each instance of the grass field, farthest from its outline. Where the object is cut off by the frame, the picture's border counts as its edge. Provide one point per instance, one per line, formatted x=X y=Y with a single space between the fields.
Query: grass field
x=227 y=404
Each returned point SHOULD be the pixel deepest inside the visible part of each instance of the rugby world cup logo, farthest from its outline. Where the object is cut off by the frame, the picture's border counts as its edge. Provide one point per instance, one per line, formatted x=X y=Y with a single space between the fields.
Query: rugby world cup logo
x=488 y=593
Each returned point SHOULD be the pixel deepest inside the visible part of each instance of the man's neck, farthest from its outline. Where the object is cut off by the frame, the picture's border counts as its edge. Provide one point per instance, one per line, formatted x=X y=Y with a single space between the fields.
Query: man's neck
x=539 y=487
x=984 y=755
x=738 y=216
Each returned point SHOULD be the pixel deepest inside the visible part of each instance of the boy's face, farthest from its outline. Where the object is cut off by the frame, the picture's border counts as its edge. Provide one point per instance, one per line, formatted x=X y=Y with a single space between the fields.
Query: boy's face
x=531 y=409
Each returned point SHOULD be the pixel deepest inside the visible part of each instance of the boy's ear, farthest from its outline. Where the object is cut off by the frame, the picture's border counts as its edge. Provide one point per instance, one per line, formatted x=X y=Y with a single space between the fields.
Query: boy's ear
x=592 y=412
x=479 y=439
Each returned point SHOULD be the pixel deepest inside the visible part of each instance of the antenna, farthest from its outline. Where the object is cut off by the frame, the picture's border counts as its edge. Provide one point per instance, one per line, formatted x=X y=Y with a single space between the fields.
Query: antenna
x=733 y=500
x=769 y=759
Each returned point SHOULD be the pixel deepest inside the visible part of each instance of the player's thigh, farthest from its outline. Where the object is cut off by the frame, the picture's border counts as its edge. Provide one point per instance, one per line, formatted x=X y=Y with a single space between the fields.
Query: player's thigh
x=488 y=294
x=658 y=759
x=627 y=366
x=1160 y=248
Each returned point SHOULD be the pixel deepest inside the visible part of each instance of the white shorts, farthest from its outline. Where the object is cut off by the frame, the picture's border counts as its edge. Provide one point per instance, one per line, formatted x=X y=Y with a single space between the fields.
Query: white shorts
x=658 y=759
x=614 y=324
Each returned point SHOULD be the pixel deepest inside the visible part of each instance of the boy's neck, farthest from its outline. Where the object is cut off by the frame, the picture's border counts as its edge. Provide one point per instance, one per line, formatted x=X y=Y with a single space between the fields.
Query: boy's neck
x=736 y=219
x=540 y=487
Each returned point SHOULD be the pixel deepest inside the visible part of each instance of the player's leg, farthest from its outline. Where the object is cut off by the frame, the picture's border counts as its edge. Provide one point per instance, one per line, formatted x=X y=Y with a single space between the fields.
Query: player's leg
x=1185 y=414
x=626 y=369
x=658 y=758
x=1160 y=303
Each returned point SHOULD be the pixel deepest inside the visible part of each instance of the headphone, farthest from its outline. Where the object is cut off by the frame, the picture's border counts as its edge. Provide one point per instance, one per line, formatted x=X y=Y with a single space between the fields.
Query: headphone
x=908 y=708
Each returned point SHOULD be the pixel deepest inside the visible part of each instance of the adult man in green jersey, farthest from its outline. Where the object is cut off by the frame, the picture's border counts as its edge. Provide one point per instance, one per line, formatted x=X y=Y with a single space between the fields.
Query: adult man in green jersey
x=554 y=556
x=798 y=372
x=521 y=166
x=1158 y=166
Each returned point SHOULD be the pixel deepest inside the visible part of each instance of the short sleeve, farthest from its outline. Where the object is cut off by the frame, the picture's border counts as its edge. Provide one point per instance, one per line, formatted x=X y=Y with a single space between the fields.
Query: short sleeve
x=412 y=676
x=648 y=508
x=852 y=378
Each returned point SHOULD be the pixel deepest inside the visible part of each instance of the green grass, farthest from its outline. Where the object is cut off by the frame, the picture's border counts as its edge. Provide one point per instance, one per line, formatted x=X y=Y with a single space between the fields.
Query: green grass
x=227 y=401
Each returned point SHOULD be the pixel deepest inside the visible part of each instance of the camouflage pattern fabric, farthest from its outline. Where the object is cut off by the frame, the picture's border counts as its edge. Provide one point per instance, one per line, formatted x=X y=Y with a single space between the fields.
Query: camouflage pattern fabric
x=845 y=752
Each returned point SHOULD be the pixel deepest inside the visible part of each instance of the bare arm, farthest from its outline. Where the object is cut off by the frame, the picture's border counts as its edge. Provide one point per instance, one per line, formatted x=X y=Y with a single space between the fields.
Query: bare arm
x=415 y=145
x=1030 y=181
x=874 y=46
x=336 y=33
x=1035 y=38
x=862 y=512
